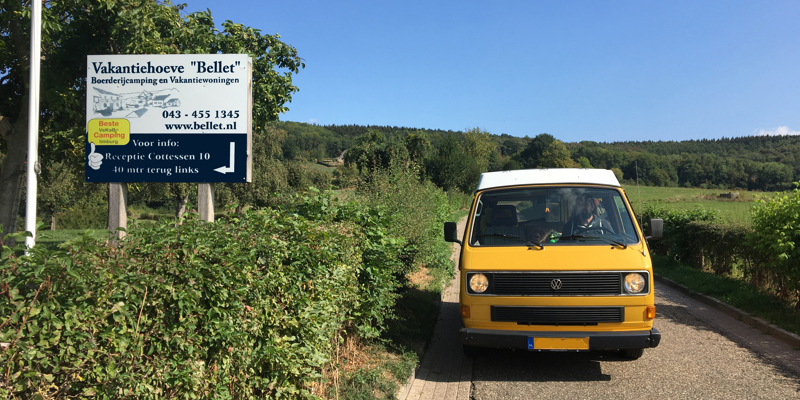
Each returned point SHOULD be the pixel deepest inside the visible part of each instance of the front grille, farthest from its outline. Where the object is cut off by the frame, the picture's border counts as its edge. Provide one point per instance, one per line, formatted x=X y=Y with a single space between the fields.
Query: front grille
x=572 y=284
x=557 y=315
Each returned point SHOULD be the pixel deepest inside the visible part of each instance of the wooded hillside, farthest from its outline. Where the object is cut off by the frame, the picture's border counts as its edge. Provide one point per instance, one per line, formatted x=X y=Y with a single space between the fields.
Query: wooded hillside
x=752 y=162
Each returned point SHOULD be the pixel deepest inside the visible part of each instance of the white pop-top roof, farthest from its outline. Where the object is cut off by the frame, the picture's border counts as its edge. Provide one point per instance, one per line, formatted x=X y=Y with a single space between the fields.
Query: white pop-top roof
x=547 y=176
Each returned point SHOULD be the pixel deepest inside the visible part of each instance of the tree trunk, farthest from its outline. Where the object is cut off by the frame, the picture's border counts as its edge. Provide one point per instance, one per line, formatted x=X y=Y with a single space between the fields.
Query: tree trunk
x=182 y=206
x=12 y=171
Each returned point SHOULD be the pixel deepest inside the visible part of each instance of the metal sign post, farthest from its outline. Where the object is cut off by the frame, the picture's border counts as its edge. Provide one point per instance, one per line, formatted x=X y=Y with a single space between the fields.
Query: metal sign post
x=33 y=123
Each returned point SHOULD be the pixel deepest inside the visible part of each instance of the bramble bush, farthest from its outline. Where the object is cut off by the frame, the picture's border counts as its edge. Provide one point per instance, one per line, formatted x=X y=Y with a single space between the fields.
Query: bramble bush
x=382 y=255
x=247 y=307
x=403 y=217
x=416 y=208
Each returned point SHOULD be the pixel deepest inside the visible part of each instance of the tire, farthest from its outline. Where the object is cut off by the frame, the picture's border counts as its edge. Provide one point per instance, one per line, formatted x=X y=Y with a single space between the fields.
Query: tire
x=632 y=354
x=469 y=351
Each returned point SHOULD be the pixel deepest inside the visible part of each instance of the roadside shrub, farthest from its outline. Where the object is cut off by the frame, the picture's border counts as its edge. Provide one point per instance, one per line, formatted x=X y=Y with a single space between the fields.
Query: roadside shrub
x=776 y=239
x=416 y=209
x=246 y=308
x=300 y=176
x=700 y=239
x=679 y=242
x=764 y=254
x=90 y=212
x=346 y=176
x=459 y=200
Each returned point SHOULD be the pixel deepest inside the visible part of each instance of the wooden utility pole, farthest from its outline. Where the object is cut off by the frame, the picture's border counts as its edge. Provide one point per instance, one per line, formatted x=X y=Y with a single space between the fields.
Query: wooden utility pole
x=205 y=201
x=117 y=210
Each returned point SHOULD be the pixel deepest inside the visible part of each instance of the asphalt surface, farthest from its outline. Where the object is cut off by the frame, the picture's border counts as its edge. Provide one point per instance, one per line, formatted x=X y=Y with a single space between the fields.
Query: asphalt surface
x=695 y=360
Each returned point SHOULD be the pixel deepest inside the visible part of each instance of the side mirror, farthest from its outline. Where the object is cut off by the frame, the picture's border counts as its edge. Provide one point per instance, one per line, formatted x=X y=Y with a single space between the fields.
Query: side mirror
x=451 y=232
x=656 y=229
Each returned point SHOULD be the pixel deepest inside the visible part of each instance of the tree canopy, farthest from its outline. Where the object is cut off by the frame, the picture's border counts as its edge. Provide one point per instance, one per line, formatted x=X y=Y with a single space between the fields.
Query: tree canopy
x=73 y=29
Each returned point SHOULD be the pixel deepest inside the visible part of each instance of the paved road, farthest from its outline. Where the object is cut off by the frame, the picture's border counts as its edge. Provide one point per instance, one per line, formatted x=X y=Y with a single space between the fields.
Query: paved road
x=694 y=360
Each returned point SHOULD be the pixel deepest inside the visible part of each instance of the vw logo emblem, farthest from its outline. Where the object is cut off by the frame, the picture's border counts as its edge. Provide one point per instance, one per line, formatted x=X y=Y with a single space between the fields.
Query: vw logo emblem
x=555 y=284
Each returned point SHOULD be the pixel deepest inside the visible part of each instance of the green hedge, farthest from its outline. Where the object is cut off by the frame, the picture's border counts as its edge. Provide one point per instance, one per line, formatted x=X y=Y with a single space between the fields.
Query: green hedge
x=776 y=242
x=766 y=254
x=679 y=241
x=250 y=307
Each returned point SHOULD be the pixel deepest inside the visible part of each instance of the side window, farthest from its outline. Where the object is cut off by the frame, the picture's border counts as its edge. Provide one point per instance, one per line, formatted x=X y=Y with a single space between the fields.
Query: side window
x=476 y=223
x=627 y=225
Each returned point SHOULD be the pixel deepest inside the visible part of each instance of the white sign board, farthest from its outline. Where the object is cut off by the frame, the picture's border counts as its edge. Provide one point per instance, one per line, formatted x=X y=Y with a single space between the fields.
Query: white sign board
x=169 y=118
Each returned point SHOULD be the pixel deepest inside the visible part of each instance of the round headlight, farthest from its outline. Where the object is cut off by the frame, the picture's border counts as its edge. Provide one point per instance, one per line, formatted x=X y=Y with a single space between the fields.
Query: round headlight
x=635 y=283
x=478 y=283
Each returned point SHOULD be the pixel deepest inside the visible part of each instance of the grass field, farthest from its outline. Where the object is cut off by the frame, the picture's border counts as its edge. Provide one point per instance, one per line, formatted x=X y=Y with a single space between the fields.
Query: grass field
x=733 y=210
x=51 y=239
x=321 y=167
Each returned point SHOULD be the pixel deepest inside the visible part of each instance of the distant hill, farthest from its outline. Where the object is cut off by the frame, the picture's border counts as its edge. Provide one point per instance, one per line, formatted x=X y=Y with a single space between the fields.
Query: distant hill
x=782 y=149
x=751 y=162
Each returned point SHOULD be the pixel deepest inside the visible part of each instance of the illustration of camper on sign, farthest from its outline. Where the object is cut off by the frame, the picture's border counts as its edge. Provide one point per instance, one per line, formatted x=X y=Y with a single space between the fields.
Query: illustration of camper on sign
x=135 y=104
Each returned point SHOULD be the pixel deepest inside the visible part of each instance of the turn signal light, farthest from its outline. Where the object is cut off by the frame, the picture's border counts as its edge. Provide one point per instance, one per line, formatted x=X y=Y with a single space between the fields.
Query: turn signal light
x=464 y=311
x=651 y=312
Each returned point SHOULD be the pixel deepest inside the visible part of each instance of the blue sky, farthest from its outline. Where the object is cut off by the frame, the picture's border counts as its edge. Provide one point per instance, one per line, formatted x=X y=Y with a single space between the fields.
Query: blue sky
x=578 y=70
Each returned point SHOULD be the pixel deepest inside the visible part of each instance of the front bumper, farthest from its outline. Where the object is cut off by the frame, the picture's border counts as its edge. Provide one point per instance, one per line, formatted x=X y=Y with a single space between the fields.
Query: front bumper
x=597 y=340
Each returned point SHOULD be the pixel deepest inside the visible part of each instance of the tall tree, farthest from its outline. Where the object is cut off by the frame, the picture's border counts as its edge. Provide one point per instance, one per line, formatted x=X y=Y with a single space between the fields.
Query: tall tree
x=555 y=155
x=529 y=157
x=479 y=145
x=419 y=146
x=73 y=29
x=452 y=168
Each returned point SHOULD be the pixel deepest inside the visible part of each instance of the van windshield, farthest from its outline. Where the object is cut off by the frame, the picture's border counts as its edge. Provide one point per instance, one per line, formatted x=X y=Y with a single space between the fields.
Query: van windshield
x=552 y=216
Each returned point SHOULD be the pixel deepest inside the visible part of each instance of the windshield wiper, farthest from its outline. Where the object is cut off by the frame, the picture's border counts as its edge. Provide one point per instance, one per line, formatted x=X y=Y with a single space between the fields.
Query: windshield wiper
x=503 y=235
x=603 y=238
x=530 y=243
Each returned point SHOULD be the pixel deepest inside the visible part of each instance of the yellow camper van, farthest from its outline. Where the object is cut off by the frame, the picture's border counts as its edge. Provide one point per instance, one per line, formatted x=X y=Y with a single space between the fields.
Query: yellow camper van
x=554 y=260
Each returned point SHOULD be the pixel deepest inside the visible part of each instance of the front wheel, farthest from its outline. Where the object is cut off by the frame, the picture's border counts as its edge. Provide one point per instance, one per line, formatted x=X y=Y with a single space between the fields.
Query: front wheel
x=469 y=351
x=632 y=354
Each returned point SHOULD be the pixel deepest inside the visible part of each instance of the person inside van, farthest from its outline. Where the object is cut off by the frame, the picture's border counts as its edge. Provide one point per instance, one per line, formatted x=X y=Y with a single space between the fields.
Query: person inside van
x=585 y=220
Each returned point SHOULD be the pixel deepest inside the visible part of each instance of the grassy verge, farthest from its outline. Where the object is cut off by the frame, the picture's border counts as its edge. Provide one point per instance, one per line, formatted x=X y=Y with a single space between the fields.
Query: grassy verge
x=456 y=215
x=369 y=371
x=51 y=239
x=732 y=291
x=378 y=369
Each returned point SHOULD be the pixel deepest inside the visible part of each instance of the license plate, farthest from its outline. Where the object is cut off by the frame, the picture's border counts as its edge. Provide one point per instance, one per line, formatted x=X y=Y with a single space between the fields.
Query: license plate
x=535 y=343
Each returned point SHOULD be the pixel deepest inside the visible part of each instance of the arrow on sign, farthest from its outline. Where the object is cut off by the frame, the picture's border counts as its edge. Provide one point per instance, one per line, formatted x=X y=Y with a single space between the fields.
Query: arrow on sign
x=225 y=170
